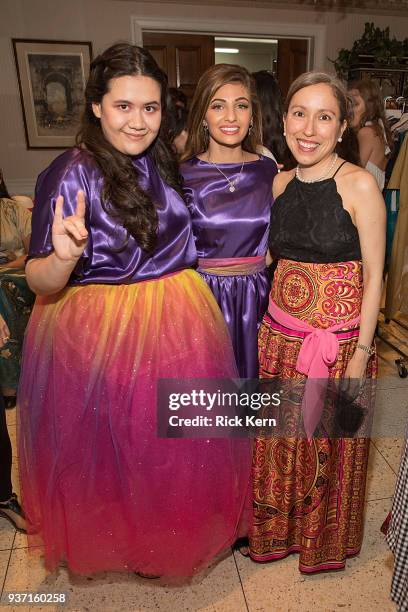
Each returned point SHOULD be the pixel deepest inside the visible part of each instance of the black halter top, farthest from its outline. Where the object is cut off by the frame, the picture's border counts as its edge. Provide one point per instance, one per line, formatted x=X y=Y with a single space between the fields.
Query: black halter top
x=309 y=224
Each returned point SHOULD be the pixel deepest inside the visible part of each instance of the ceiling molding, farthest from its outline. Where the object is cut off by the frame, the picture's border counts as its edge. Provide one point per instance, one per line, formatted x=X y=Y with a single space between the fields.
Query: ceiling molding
x=369 y=7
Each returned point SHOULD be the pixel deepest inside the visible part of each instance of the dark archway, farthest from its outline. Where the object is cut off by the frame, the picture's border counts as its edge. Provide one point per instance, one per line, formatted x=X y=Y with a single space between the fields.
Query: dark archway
x=58 y=77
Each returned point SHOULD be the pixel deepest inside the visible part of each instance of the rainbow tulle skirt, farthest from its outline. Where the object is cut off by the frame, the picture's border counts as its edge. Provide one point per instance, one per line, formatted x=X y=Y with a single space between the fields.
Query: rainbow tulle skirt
x=100 y=489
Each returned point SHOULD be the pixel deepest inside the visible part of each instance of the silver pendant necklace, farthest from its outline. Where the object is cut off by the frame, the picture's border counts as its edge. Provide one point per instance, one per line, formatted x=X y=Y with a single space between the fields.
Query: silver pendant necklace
x=231 y=183
x=321 y=178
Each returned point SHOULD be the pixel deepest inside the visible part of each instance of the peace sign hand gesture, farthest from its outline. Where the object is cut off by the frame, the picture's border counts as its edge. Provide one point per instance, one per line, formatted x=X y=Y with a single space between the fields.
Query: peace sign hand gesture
x=69 y=235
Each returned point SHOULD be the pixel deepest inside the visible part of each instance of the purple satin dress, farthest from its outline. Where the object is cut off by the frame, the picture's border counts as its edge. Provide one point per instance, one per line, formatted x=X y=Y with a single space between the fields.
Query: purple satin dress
x=234 y=225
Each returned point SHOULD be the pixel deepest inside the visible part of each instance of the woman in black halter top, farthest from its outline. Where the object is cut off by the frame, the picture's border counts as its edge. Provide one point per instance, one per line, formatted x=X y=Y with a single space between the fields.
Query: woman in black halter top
x=328 y=233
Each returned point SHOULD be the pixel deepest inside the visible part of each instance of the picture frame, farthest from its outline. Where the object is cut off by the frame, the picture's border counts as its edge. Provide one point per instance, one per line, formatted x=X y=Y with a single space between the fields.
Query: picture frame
x=52 y=76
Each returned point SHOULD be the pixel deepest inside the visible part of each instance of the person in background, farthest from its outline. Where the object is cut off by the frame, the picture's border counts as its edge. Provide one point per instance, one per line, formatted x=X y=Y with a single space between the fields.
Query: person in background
x=16 y=299
x=397 y=535
x=10 y=508
x=175 y=129
x=348 y=148
x=228 y=189
x=176 y=97
x=328 y=233
x=15 y=228
x=270 y=99
x=370 y=124
x=119 y=307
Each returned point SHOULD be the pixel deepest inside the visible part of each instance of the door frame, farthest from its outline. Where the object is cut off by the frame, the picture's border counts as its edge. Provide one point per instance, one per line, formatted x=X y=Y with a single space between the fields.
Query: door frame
x=314 y=33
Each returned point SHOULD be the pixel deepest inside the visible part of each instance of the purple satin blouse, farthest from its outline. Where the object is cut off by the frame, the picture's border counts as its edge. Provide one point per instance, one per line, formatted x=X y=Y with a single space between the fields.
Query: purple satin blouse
x=229 y=224
x=101 y=261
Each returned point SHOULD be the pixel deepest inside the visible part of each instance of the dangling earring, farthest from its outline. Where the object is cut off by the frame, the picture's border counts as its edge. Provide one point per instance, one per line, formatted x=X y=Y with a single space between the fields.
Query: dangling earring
x=251 y=125
x=205 y=126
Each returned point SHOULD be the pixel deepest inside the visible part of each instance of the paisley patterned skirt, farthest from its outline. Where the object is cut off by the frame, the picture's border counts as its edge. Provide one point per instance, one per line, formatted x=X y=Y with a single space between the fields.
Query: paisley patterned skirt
x=309 y=495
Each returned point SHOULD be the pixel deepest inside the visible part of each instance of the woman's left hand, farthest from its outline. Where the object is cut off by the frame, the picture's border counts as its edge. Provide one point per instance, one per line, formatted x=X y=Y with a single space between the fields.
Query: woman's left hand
x=354 y=375
x=4 y=332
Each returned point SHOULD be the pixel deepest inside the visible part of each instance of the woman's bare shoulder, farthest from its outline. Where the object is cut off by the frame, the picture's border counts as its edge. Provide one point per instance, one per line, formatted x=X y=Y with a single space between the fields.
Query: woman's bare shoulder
x=369 y=134
x=356 y=181
x=354 y=174
x=281 y=181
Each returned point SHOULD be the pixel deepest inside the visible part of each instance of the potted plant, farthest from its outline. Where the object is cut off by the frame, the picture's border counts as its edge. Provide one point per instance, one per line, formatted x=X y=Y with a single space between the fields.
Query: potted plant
x=375 y=47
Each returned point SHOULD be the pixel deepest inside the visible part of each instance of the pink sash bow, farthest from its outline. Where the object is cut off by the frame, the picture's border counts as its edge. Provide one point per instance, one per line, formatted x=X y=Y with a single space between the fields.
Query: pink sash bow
x=317 y=354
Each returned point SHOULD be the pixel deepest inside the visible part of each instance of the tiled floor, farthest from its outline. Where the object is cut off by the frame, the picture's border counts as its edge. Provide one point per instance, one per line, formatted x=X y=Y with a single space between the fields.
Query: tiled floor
x=236 y=584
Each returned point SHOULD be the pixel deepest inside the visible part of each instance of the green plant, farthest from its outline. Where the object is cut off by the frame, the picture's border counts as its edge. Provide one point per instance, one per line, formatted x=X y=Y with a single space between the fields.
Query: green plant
x=375 y=42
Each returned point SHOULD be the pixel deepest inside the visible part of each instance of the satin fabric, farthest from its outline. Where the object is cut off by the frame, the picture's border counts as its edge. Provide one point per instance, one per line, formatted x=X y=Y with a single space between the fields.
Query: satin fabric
x=234 y=266
x=103 y=260
x=229 y=225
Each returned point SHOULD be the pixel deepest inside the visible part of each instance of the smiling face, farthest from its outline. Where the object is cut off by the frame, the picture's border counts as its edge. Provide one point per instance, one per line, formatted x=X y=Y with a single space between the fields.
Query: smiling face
x=313 y=124
x=130 y=113
x=229 y=115
x=359 y=107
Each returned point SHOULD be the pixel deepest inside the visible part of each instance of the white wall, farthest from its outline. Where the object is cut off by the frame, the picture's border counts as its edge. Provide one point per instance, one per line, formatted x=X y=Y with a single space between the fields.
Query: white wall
x=107 y=21
x=251 y=61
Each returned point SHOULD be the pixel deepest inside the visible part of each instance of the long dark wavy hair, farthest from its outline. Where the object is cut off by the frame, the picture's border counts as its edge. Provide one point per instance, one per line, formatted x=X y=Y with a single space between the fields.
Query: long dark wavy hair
x=209 y=83
x=122 y=197
x=270 y=98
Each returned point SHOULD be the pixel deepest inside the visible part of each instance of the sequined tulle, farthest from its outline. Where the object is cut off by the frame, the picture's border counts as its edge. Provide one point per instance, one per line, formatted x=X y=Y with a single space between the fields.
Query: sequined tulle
x=100 y=489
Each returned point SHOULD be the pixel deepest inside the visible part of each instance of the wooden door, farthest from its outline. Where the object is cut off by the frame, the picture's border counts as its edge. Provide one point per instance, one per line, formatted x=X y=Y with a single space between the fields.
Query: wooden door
x=184 y=57
x=292 y=61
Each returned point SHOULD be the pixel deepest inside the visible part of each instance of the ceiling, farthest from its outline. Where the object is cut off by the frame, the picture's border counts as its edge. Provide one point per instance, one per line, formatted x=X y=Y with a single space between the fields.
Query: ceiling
x=390 y=7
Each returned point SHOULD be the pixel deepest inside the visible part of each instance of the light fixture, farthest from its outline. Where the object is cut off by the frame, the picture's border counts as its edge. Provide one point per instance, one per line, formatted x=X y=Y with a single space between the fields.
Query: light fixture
x=268 y=41
x=225 y=50
x=355 y=4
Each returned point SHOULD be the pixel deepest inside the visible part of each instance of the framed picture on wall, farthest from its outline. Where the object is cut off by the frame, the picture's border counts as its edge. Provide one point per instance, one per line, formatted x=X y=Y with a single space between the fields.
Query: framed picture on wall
x=51 y=76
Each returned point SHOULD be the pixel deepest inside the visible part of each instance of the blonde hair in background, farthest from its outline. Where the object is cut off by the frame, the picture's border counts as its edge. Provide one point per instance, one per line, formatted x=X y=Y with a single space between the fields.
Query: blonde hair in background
x=374 y=108
x=210 y=82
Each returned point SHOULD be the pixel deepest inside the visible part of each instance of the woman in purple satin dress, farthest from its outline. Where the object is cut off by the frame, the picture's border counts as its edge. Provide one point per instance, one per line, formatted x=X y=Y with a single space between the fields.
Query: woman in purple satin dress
x=228 y=189
x=118 y=308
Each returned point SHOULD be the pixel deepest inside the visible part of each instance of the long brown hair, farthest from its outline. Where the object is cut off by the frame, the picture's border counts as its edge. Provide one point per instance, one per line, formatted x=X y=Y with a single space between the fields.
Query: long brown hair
x=209 y=83
x=374 y=109
x=122 y=196
x=339 y=91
